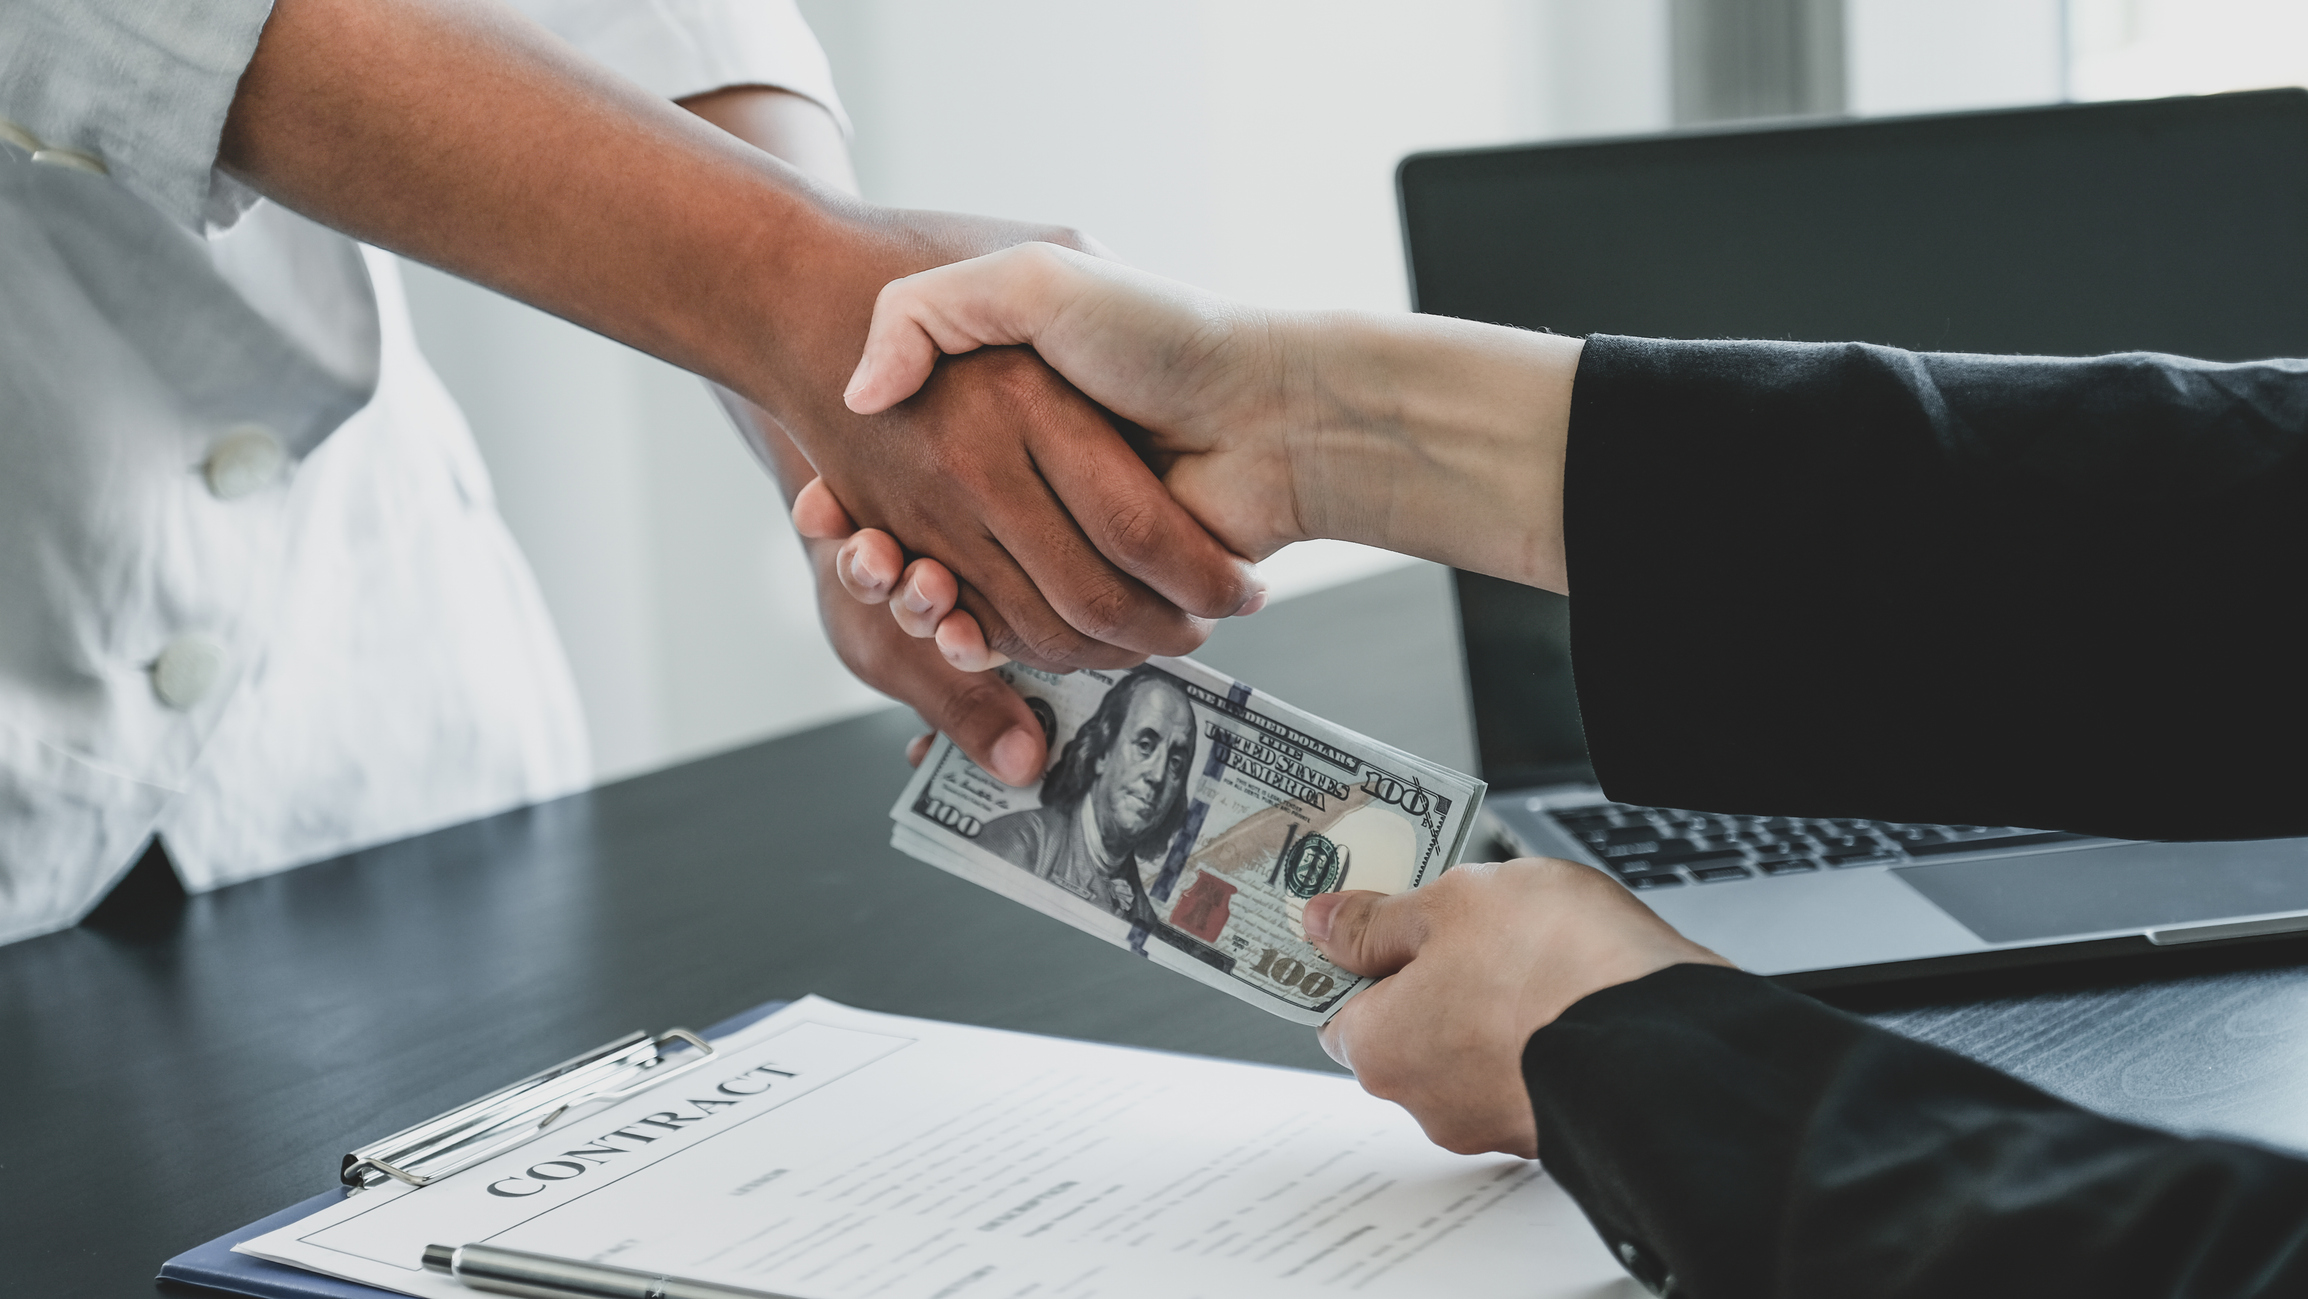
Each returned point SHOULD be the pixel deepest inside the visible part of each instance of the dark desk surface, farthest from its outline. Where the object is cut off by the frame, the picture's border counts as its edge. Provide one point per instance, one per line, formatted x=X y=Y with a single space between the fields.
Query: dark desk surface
x=167 y=1087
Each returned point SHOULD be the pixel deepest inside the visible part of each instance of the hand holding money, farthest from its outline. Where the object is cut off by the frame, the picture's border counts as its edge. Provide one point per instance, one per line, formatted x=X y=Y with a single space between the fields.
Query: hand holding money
x=1471 y=968
x=1189 y=818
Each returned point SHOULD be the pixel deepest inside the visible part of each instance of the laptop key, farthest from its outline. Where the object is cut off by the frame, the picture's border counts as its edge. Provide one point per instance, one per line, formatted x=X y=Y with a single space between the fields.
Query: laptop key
x=1652 y=881
x=1686 y=855
x=1631 y=834
x=1718 y=874
x=1788 y=866
x=1855 y=856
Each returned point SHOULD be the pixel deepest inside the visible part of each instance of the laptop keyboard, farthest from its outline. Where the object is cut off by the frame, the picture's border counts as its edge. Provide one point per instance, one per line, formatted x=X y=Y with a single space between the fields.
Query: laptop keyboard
x=1659 y=847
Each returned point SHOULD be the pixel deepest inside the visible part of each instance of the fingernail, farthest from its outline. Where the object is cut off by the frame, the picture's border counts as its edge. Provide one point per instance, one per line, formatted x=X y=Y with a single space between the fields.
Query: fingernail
x=1014 y=757
x=914 y=600
x=1256 y=602
x=1317 y=916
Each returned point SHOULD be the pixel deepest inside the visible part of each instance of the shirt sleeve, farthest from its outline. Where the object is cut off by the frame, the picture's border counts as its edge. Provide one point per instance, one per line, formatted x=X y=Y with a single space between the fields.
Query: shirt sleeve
x=1845 y=580
x=1824 y=1157
x=679 y=48
x=137 y=87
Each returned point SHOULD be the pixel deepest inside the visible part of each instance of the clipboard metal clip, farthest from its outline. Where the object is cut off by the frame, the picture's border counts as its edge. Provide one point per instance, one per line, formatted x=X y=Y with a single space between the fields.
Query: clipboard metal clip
x=509 y=1116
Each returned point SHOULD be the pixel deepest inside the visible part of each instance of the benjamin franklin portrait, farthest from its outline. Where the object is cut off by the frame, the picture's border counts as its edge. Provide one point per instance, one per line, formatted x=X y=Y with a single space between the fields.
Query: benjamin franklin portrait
x=1114 y=799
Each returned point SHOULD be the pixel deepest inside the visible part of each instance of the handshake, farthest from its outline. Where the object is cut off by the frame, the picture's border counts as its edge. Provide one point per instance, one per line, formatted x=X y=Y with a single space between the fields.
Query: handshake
x=1115 y=509
x=1237 y=431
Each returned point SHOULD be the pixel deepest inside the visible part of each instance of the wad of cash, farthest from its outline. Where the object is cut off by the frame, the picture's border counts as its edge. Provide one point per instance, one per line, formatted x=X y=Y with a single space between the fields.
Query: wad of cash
x=1189 y=817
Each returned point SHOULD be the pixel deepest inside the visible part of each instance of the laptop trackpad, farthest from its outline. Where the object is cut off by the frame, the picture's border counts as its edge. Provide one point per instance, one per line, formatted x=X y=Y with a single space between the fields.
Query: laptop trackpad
x=2121 y=886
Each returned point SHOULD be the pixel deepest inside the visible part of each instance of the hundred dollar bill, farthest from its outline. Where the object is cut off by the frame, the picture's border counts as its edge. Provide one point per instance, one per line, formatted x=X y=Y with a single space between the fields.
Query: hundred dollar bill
x=1189 y=817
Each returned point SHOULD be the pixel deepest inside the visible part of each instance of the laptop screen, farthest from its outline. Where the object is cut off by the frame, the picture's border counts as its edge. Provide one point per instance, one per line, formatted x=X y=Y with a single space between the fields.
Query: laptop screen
x=2176 y=225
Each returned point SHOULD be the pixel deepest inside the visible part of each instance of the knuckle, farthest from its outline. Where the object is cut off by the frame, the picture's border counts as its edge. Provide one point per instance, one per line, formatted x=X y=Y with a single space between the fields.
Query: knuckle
x=1102 y=610
x=1041 y=259
x=947 y=457
x=1134 y=533
x=1459 y=1138
x=1462 y=890
x=1352 y=925
x=976 y=692
x=1051 y=643
x=1380 y=1077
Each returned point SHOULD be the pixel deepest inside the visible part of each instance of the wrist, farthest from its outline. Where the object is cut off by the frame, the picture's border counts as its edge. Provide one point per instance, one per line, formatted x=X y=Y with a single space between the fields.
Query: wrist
x=795 y=295
x=1436 y=437
x=1345 y=441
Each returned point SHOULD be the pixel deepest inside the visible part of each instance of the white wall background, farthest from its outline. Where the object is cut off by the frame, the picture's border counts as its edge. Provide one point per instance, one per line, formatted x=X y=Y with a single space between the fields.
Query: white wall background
x=1924 y=56
x=2135 y=49
x=1247 y=145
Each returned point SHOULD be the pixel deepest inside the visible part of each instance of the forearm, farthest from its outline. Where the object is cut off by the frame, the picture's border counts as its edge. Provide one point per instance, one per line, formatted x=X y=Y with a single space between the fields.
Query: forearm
x=463 y=136
x=467 y=137
x=1433 y=437
x=1783 y=549
x=803 y=135
x=1825 y=1157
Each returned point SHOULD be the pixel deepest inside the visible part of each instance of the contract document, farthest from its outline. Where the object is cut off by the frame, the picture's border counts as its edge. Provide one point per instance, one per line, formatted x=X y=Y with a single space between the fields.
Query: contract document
x=827 y=1152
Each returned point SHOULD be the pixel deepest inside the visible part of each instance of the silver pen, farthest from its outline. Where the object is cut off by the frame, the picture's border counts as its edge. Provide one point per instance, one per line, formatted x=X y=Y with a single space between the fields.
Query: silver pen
x=542 y=1276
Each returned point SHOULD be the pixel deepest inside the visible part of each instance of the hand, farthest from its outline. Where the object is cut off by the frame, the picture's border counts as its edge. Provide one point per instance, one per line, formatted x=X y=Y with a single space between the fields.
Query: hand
x=1434 y=437
x=1191 y=365
x=978 y=710
x=1207 y=379
x=1470 y=966
x=870 y=567
x=1015 y=482
x=985 y=717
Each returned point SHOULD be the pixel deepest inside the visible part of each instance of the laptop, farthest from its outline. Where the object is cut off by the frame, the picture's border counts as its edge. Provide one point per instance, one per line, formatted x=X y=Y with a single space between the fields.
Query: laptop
x=2177 y=225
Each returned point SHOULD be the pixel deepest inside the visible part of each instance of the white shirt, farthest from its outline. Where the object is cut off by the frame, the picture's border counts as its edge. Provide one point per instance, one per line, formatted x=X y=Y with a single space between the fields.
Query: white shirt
x=254 y=592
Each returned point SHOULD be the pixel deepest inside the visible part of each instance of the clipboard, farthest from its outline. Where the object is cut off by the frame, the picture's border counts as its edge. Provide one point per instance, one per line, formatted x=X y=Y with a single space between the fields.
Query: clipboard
x=447 y=1142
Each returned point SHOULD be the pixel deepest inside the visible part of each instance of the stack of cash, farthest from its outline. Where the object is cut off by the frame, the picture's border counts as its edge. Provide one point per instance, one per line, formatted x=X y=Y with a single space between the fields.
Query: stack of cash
x=1189 y=817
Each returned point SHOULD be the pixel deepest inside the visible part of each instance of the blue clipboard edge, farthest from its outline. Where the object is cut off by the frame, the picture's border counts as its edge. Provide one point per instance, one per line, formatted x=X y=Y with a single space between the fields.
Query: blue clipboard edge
x=214 y=1266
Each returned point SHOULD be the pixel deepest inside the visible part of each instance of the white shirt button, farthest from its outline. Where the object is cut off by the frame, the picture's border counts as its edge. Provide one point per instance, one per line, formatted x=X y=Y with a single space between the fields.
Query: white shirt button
x=248 y=458
x=187 y=671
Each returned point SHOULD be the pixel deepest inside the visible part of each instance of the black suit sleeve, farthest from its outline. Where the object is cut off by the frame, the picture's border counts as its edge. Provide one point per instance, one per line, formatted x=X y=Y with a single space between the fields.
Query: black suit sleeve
x=1729 y=1138
x=1849 y=580
x=1843 y=580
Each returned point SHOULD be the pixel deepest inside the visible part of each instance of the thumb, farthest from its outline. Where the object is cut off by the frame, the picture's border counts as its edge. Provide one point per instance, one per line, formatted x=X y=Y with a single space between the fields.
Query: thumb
x=1000 y=298
x=1366 y=933
x=818 y=514
x=989 y=722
